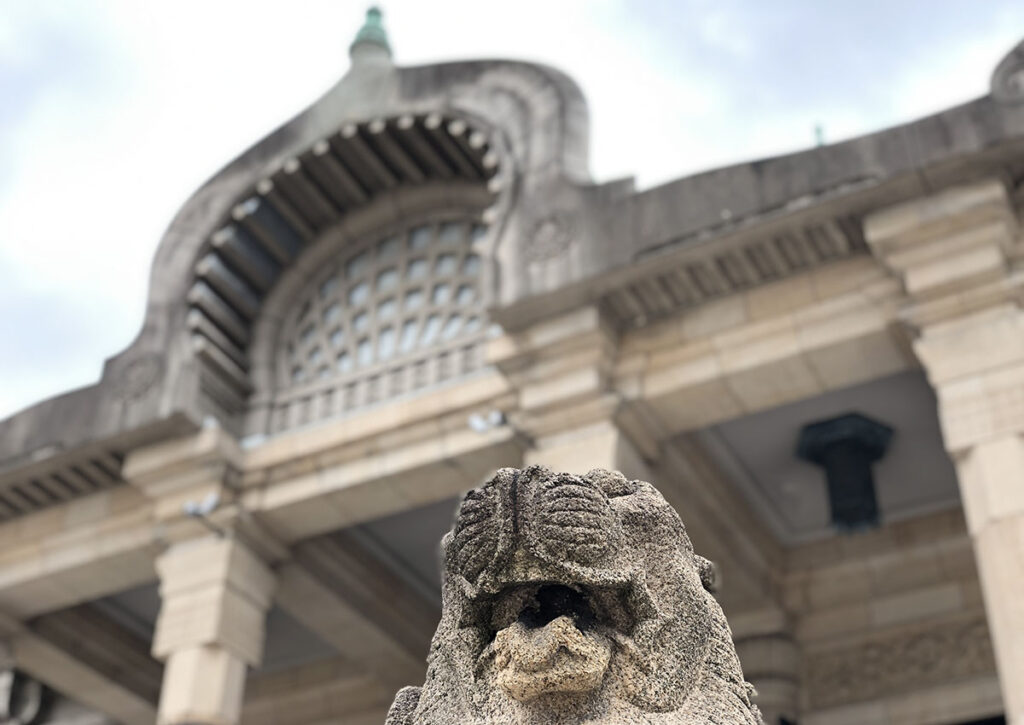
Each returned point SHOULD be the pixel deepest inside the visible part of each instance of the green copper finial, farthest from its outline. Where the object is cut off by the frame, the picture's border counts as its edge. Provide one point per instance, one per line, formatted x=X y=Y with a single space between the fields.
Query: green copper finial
x=372 y=34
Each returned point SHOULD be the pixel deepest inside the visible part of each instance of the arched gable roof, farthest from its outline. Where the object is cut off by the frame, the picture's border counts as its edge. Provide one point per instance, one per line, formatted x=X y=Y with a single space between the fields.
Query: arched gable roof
x=523 y=122
x=380 y=129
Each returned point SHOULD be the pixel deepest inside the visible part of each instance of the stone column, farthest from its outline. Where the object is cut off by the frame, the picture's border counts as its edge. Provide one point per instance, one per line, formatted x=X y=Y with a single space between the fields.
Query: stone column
x=215 y=593
x=954 y=252
x=215 y=588
x=770 y=658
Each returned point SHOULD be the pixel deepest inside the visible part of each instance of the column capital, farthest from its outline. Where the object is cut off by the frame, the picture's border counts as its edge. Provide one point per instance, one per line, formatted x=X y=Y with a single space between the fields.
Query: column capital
x=559 y=361
x=185 y=469
x=215 y=591
x=945 y=243
x=561 y=369
x=953 y=251
x=215 y=594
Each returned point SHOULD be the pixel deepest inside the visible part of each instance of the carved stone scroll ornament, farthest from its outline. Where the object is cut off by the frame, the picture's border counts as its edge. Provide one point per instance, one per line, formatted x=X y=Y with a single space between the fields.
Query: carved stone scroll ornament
x=571 y=599
x=139 y=376
x=20 y=698
x=550 y=237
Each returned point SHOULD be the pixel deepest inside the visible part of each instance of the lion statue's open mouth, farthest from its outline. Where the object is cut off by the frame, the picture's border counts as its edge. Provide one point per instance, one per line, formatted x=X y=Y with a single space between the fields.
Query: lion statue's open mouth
x=552 y=638
x=571 y=599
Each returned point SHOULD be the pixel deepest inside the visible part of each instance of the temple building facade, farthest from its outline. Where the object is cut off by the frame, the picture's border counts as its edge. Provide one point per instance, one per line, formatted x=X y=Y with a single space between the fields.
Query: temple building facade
x=817 y=358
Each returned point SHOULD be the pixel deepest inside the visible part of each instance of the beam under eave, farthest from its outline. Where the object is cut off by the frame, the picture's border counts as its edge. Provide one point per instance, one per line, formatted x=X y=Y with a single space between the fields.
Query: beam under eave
x=331 y=691
x=76 y=552
x=382 y=480
x=740 y=354
x=46 y=650
x=338 y=590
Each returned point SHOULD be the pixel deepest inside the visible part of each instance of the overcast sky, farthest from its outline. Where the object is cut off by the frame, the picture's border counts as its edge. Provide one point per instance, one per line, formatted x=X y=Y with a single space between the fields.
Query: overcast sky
x=113 y=111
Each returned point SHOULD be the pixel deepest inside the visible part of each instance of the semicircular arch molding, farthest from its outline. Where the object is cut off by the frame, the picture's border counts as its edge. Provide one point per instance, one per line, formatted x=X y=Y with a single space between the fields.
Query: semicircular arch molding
x=369 y=173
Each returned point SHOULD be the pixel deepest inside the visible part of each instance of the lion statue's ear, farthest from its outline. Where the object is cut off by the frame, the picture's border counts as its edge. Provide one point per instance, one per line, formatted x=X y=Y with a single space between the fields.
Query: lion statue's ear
x=403 y=709
x=708 y=573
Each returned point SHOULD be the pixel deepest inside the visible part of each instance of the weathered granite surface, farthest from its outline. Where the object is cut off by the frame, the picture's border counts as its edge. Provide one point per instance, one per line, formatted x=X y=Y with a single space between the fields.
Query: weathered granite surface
x=576 y=599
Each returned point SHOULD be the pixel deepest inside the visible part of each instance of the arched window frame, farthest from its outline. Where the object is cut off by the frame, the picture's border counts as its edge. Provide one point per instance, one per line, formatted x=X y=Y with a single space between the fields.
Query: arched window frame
x=282 y=404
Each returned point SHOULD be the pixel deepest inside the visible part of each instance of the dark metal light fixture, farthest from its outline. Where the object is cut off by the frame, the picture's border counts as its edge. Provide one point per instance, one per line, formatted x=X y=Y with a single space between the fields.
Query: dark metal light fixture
x=846 y=447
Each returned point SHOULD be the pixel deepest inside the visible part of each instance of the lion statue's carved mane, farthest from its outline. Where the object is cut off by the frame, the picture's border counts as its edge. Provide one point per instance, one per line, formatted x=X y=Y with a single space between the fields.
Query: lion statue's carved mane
x=570 y=599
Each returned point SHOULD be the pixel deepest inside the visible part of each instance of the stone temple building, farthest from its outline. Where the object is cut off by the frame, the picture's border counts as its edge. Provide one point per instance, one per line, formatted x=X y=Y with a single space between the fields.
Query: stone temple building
x=817 y=358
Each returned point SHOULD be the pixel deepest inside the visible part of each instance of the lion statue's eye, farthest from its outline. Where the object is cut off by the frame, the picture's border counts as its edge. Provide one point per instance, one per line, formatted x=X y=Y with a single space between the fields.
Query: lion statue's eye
x=613 y=483
x=574 y=520
x=476 y=538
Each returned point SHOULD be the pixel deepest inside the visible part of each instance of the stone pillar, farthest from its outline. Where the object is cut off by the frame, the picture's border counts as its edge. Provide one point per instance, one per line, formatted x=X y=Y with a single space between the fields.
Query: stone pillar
x=215 y=593
x=770 y=657
x=953 y=251
x=215 y=588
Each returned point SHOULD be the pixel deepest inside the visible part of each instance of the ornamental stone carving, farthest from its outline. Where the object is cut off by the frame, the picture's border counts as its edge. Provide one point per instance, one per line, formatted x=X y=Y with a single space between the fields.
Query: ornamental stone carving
x=571 y=599
x=139 y=376
x=905 y=660
x=550 y=237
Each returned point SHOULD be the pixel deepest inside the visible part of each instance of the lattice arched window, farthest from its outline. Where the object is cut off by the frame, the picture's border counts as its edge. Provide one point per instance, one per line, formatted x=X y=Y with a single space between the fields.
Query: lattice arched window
x=400 y=313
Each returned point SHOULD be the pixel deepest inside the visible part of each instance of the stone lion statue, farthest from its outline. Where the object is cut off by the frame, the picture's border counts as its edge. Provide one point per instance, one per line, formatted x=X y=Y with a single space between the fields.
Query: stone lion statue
x=576 y=599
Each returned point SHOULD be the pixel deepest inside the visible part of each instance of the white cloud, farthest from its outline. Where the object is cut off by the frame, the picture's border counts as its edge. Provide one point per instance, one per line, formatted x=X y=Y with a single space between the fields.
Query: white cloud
x=959 y=70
